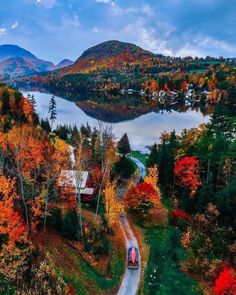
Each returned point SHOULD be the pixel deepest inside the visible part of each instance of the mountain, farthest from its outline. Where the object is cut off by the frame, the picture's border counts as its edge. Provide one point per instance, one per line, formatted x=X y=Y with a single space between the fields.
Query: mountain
x=64 y=63
x=110 y=54
x=115 y=67
x=16 y=61
x=9 y=51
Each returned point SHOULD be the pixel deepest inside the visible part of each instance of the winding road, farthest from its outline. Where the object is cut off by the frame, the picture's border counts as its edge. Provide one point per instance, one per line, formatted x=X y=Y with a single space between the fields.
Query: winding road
x=131 y=278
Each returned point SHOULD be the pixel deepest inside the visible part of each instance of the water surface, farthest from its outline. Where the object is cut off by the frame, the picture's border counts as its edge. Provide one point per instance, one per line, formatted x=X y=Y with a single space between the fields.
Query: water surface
x=142 y=131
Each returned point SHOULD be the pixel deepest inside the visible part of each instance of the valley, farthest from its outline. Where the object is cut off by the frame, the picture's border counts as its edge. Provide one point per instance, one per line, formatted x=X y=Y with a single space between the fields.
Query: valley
x=117 y=171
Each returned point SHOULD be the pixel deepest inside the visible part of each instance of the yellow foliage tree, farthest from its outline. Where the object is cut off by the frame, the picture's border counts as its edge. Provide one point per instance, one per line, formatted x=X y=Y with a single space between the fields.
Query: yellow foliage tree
x=152 y=178
x=112 y=204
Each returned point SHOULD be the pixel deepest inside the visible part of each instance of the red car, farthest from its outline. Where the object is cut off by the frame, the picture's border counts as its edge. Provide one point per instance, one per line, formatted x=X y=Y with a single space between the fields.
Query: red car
x=133 y=258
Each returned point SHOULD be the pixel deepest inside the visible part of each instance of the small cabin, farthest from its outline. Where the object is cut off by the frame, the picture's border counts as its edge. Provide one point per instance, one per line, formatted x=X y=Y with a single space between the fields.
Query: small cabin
x=70 y=180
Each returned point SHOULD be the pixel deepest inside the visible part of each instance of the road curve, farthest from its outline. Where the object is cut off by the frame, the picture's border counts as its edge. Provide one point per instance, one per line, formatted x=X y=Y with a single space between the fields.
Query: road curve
x=131 y=278
x=140 y=165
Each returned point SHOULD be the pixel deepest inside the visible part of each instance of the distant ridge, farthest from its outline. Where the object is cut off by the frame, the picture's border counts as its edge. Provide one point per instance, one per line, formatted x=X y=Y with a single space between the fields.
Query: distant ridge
x=16 y=61
x=10 y=51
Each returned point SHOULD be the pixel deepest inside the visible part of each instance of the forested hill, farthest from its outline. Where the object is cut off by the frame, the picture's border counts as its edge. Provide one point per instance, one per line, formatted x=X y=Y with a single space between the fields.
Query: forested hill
x=115 y=66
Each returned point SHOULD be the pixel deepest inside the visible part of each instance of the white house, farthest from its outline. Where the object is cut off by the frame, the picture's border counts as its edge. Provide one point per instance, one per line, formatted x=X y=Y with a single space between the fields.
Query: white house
x=74 y=179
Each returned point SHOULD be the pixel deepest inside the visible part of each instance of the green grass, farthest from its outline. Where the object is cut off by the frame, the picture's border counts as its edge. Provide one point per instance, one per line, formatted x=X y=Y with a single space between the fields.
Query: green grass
x=89 y=274
x=140 y=156
x=162 y=274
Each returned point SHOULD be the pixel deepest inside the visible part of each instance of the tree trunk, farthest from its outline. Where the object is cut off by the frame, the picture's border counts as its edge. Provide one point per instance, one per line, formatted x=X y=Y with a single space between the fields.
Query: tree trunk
x=208 y=171
x=24 y=200
x=79 y=210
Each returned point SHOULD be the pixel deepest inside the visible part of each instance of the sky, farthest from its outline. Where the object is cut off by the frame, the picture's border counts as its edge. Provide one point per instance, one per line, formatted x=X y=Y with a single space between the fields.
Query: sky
x=58 y=29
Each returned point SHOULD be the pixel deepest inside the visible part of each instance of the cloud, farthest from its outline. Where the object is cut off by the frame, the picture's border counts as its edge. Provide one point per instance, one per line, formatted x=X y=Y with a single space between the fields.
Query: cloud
x=147 y=36
x=71 y=21
x=95 y=29
x=147 y=9
x=117 y=10
x=202 y=45
x=106 y=2
x=48 y=4
x=14 y=25
x=3 y=31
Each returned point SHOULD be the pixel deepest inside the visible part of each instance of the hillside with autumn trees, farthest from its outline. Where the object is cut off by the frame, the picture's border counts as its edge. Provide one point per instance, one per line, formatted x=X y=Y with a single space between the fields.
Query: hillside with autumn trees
x=115 y=67
x=56 y=240
x=52 y=237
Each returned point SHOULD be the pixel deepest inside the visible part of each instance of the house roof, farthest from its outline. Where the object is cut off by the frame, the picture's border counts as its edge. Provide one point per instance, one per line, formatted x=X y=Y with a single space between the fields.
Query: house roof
x=69 y=178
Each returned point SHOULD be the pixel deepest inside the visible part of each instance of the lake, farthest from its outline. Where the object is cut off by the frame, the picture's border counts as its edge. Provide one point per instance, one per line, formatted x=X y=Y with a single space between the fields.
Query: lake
x=142 y=130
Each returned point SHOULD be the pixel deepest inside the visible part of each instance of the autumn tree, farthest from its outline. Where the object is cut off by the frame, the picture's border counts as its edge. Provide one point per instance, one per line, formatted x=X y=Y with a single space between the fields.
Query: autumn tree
x=108 y=158
x=187 y=171
x=12 y=231
x=112 y=204
x=26 y=148
x=141 y=199
x=153 y=178
x=225 y=282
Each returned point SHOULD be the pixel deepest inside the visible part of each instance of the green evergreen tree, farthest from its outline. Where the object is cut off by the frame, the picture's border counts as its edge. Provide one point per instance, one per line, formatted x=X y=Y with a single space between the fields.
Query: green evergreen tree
x=123 y=145
x=5 y=102
x=70 y=225
x=45 y=125
x=153 y=156
x=52 y=110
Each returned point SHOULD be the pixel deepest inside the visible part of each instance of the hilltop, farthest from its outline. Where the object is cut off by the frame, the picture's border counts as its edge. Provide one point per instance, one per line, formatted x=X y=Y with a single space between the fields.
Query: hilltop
x=108 y=55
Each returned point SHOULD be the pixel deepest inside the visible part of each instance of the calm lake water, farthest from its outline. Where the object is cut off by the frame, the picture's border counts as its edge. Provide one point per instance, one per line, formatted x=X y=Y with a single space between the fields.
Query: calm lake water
x=142 y=131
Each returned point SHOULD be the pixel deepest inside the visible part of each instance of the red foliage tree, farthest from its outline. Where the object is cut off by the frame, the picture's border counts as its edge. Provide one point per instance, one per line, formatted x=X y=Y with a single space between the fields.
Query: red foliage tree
x=187 y=172
x=225 y=284
x=180 y=214
x=142 y=198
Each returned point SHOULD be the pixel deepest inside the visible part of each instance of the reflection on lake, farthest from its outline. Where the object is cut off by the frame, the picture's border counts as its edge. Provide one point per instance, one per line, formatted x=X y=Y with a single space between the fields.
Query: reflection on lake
x=143 y=123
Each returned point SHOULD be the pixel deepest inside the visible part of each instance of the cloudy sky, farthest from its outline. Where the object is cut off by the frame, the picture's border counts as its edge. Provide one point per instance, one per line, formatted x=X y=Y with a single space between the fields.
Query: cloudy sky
x=58 y=29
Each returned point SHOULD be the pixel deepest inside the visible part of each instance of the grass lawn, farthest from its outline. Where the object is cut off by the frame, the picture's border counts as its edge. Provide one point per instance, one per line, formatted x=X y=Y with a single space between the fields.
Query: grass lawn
x=162 y=274
x=75 y=269
x=87 y=280
x=140 y=156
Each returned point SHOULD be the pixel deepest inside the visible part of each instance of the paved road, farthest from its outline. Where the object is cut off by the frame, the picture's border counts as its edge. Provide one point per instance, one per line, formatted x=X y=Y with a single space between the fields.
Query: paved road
x=131 y=278
x=141 y=167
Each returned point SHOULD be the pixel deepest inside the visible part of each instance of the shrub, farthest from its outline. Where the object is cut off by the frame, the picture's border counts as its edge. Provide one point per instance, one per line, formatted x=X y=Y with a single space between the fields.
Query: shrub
x=70 y=226
x=95 y=239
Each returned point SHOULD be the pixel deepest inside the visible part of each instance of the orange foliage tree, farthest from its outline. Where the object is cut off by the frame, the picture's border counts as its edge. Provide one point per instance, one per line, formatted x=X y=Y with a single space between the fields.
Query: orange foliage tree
x=12 y=231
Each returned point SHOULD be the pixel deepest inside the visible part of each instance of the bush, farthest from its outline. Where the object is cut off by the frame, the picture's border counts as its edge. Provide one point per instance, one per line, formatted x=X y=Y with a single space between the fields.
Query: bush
x=6 y=287
x=70 y=226
x=55 y=220
x=95 y=239
x=226 y=282
x=179 y=218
